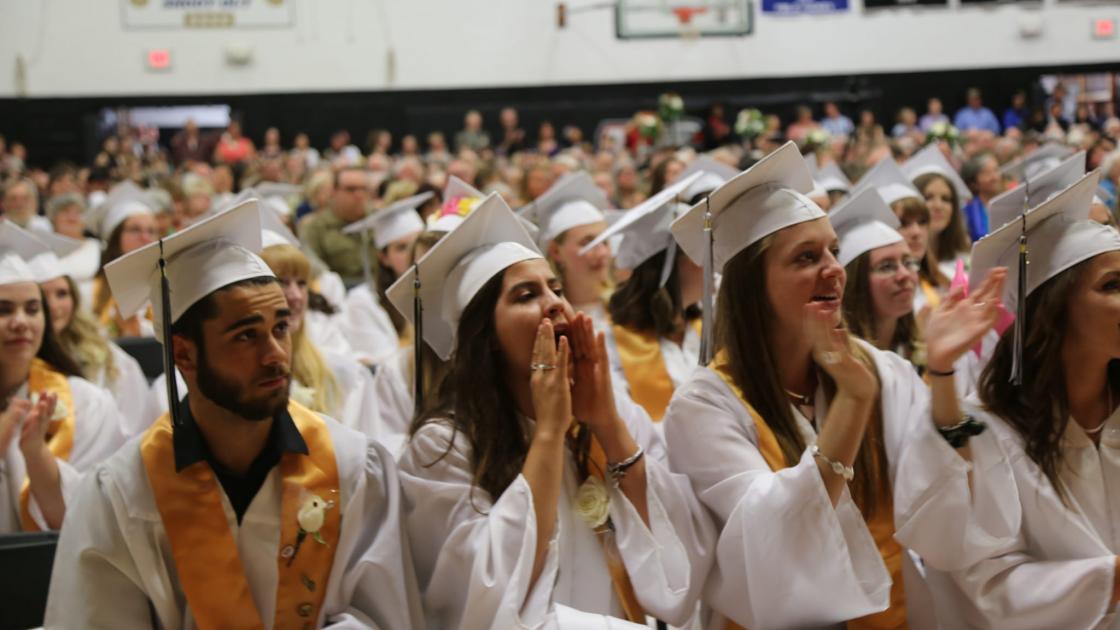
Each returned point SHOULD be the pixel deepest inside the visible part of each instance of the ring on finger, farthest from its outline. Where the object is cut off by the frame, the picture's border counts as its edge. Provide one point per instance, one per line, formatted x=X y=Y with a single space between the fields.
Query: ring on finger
x=541 y=366
x=830 y=358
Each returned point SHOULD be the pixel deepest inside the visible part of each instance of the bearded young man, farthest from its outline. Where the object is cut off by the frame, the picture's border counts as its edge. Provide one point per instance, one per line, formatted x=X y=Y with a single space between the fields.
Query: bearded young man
x=240 y=507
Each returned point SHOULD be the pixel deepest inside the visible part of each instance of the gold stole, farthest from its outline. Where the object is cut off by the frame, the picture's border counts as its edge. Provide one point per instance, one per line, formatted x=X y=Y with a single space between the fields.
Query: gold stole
x=202 y=545
x=60 y=434
x=644 y=368
x=933 y=298
x=623 y=588
x=881 y=525
x=110 y=318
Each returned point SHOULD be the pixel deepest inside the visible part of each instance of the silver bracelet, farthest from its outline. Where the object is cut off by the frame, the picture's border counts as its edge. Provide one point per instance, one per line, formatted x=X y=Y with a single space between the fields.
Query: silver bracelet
x=847 y=472
x=617 y=471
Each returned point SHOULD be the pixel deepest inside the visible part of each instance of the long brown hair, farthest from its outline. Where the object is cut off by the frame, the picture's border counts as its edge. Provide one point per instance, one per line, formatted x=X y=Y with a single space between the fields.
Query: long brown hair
x=953 y=240
x=1038 y=410
x=640 y=303
x=475 y=400
x=112 y=252
x=860 y=318
x=909 y=210
x=384 y=277
x=82 y=341
x=745 y=324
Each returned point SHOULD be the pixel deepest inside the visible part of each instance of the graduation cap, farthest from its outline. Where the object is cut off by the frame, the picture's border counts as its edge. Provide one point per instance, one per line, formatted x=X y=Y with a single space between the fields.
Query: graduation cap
x=645 y=229
x=124 y=200
x=48 y=265
x=754 y=204
x=713 y=174
x=864 y=222
x=176 y=272
x=1052 y=237
x=829 y=177
x=1044 y=158
x=932 y=160
x=887 y=178
x=1007 y=206
x=572 y=201
x=388 y=224
x=17 y=248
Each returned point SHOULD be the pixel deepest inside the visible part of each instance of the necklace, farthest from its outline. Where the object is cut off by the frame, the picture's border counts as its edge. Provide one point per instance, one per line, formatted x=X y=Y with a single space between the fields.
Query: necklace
x=804 y=401
x=1101 y=426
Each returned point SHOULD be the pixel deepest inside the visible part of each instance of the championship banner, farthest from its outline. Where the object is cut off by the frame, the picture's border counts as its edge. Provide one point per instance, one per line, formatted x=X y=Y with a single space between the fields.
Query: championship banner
x=207 y=13
x=804 y=7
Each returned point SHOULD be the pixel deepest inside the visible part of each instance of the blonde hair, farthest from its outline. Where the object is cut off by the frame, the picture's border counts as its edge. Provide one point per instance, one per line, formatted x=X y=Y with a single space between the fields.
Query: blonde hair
x=308 y=365
x=82 y=340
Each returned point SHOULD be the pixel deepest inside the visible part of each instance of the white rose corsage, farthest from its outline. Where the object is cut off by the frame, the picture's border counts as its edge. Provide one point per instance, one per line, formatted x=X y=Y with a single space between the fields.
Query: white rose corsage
x=593 y=502
x=311 y=516
x=60 y=410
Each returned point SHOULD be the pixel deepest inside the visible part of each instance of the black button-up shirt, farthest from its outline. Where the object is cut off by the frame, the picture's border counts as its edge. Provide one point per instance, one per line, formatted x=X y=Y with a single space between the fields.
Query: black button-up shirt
x=191 y=447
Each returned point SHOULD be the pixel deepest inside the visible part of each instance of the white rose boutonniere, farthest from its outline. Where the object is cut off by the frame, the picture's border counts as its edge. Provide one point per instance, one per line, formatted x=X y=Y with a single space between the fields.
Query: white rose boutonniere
x=593 y=502
x=311 y=516
x=60 y=410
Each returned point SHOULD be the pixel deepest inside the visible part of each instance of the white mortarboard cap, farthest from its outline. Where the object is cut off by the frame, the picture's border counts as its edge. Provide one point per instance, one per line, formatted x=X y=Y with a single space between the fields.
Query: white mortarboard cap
x=456 y=187
x=18 y=248
x=645 y=228
x=392 y=222
x=125 y=200
x=273 y=230
x=932 y=160
x=890 y=181
x=1043 y=158
x=488 y=241
x=754 y=204
x=1059 y=236
x=276 y=189
x=713 y=174
x=211 y=254
x=864 y=222
x=572 y=201
x=48 y=265
x=830 y=178
x=1009 y=205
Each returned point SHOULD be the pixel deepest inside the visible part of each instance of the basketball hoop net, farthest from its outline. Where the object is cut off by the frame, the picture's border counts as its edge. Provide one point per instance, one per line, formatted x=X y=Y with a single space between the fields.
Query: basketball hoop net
x=687 y=29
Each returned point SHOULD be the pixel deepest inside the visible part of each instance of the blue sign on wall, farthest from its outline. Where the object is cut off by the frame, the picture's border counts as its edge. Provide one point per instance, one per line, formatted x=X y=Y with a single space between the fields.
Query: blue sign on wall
x=804 y=7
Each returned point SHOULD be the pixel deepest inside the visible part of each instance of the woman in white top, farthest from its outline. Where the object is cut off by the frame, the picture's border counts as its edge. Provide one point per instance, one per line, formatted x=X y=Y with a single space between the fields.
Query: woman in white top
x=1018 y=524
x=945 y=194
x=54 y=425
x=508 y=510
x=789 y=412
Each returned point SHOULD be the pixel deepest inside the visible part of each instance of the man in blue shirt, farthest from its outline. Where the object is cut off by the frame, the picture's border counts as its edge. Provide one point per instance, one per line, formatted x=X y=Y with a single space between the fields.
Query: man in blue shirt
x=975 y=115
x=836 y=124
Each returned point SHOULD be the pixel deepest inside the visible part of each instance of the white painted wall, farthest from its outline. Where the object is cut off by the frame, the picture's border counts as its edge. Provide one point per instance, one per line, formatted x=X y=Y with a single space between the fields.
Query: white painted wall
x=79 y=47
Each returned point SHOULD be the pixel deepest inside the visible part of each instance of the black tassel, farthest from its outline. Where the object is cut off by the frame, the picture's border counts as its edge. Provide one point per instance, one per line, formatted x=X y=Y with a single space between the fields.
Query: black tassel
x=165 y=328
x=417 y=343
x=707 y=303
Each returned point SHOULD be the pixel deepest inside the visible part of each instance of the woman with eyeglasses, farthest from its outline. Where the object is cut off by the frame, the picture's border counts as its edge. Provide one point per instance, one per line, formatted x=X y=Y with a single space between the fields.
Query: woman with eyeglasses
x=128 y=225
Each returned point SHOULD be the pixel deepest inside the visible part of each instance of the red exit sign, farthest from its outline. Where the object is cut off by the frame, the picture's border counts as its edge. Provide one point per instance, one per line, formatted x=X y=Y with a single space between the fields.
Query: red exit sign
x=159 y=59
x=1104 y=29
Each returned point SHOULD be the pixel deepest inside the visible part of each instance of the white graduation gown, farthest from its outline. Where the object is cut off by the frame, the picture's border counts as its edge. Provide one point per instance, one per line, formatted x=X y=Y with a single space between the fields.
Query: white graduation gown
x=367 y=326
x=130 y=389
x=395 y=405
x=1008 y=553
x=680 y=360
x=780 y=528
x=114 y=567
x=474 y=555
x=326 y=332
x=97 y=435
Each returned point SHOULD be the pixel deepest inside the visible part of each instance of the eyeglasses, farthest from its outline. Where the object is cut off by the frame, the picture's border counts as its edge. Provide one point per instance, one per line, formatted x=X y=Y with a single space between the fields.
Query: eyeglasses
x=141 y=231
x=891 y=267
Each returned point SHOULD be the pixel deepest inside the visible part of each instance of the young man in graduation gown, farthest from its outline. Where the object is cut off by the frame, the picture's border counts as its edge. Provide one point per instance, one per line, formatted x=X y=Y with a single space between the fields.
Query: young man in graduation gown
x=239 y=508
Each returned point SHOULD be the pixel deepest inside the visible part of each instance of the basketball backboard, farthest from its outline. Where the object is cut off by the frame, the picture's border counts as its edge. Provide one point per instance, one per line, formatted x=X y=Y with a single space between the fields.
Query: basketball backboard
x=635 y=19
